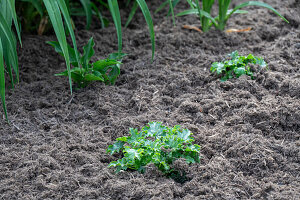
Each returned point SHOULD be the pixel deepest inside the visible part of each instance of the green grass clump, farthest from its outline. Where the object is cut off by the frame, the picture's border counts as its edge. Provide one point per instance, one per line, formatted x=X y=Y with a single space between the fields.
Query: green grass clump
x=220 y=21
x=236 y=66
x=155 y=144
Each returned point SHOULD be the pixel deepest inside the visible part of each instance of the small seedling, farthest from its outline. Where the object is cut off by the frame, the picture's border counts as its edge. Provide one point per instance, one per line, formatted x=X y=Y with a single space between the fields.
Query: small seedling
x=236 y=66
x=84 y=72
x=155 y=144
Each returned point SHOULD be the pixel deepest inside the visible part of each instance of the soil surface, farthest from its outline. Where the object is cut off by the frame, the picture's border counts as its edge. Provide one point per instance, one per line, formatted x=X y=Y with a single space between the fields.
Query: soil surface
x=248 y=130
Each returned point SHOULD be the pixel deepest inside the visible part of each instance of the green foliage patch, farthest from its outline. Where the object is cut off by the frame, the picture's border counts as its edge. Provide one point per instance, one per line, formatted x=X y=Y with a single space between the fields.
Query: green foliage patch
x=155 y=144
x=84 y=72
x=237 y=66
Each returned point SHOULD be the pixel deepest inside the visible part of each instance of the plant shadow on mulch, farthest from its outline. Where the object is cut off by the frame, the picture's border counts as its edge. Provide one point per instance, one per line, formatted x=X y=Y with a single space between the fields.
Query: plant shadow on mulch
x=248 y=130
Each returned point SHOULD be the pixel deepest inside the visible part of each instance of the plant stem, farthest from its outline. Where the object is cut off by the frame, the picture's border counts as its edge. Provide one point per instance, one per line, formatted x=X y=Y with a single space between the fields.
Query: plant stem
x=223 y=8
x=205 y=22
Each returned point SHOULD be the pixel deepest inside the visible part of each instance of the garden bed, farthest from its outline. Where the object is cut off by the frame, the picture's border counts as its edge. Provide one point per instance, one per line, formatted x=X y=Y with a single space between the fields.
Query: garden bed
x=248 y=130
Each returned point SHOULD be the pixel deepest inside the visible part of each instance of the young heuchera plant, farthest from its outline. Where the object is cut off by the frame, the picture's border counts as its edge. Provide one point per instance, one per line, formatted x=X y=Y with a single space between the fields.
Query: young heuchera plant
x=236 y=66
x=155 y=144
x=84 y=72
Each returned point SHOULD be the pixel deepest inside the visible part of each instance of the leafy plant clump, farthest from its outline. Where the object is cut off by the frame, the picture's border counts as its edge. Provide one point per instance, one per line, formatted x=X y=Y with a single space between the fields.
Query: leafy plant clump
x=155 y=144
x=84 y=72
x=237 y=66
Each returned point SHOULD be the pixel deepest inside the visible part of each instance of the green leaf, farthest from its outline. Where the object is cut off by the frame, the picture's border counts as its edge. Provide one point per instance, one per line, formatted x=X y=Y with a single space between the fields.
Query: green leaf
x=234 y=55
x=87 y=6
x=132 y=13
x=162 y=6
x=217 y=66
x=256 y=3
x=76 y=74
x=93 y=77
x=133 y=154
x=55 y=17
x=115 y=148
x=88 y=52
x=122 y=139
x=172 y=11
x=98 y=13
x=155 y=129
x=260 y=61
x=189 y=159
x=149 y=21
x=101 y=65
x=65 y=12
x=10 y=54
x=184 y=135
x=115 y=12
x=239 y=71
x=37 y=4
x=117 y=56
x=2 y=81
x=113 y=74
x=12 y=10
x=173 y=142
x=71 y=51
x=224 y=78
x=195 y=11
x=237 y=12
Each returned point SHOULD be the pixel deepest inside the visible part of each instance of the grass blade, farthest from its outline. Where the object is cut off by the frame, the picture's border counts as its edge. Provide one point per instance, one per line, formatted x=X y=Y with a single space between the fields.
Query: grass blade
x=115 y=12
x=174 y=4
x=172 y=11
x=162 y=6
x=192 y=4
x=149 y=21
x=88 y=12
x=2 y=81
x=64 y=9
x=11 y=4
x=207 y=5
x=195 y=11
x=256 y=3
x=98 y=13
x=37 y=4
x=132 y=13
x=55 y=17
x=10 y=54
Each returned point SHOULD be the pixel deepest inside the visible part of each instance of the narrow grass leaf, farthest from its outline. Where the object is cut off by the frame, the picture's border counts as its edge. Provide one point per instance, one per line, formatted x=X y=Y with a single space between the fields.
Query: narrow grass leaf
x=55 y=17
x=37 y=4
x=256 y=3
x=132 y=13
x=88 y=52
x=11 y=52
x=12 y=9
x=162 y=6
x=8 y=51
x=98 y=13
x=174 y=4
x=149 y=21
x=64 y=9
x=2 y=81
x=88 y=12
x=237 y=12
x=192 y=4
x=195 y=11
x=172 y=11
x=115 y=12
